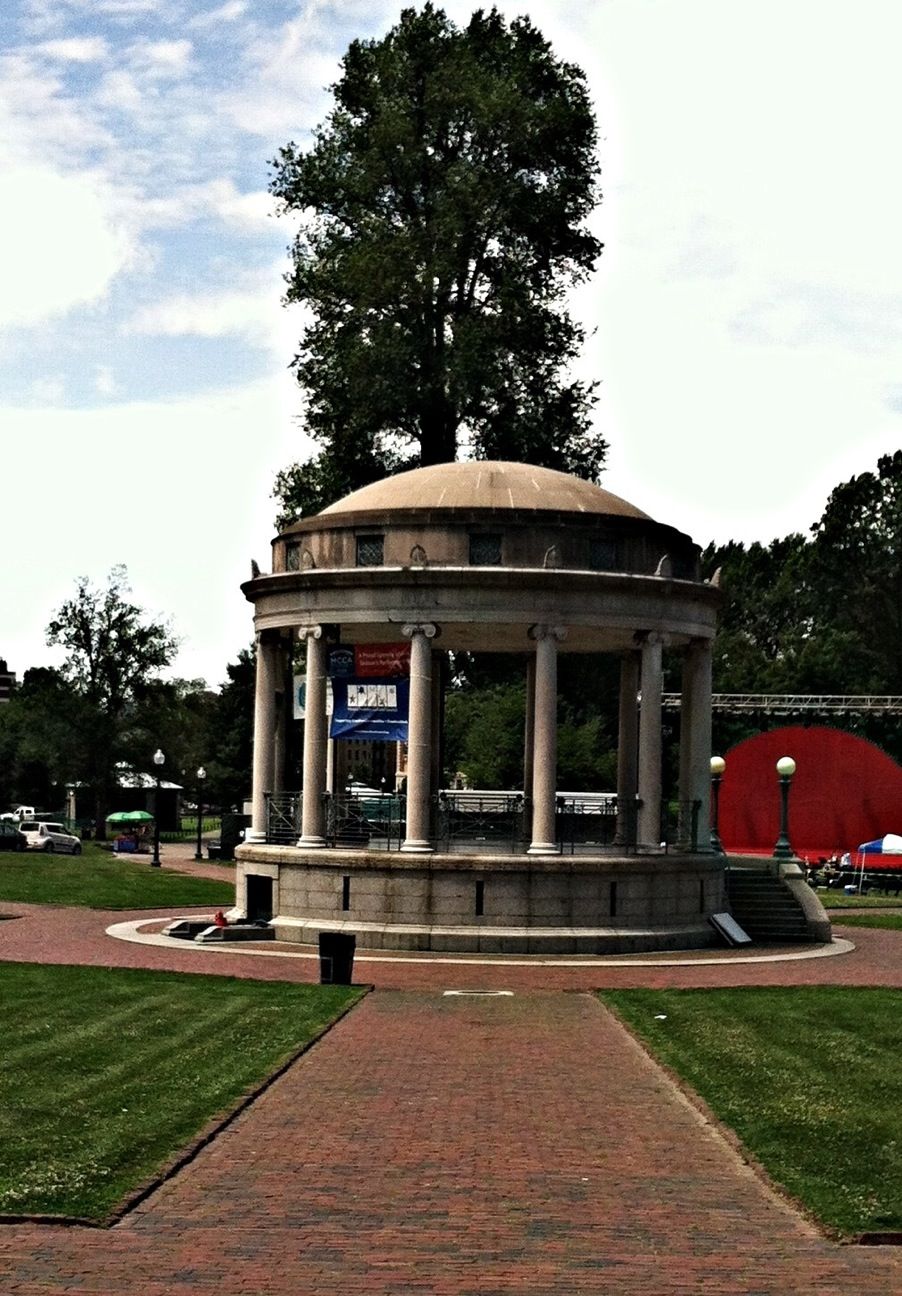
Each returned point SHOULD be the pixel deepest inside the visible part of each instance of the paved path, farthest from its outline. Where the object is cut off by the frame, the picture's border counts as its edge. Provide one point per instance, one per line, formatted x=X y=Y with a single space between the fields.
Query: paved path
x=458 y=1145
x=465 y=1145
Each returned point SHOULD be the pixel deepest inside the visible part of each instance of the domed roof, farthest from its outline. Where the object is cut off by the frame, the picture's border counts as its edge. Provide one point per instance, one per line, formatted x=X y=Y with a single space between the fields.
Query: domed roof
x=484 y=484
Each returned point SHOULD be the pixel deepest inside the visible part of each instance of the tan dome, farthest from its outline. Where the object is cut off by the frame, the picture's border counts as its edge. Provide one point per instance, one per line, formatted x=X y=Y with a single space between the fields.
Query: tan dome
x=484 y=484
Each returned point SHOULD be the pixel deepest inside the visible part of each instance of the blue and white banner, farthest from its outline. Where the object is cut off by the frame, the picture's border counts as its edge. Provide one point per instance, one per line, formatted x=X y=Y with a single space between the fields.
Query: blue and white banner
x=300 y=697
x=370 y=708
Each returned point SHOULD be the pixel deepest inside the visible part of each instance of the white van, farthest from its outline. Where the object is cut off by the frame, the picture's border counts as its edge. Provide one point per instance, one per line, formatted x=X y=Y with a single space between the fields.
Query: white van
x=49 y=837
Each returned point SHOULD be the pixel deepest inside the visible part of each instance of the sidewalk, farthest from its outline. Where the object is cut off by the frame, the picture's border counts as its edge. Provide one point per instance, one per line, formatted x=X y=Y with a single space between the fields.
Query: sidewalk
x=474 y=1146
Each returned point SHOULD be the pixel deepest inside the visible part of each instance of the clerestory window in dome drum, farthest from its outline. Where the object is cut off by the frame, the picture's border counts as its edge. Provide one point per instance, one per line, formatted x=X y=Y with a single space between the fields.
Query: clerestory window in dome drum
x=293 y=557
x=485 y=550
x=369 y=550
x=604 y=554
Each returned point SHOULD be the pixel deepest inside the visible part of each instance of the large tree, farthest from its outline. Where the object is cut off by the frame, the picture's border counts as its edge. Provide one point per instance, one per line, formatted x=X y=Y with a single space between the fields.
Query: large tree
x=113 y=652
x=443 y=208
x=857 y=565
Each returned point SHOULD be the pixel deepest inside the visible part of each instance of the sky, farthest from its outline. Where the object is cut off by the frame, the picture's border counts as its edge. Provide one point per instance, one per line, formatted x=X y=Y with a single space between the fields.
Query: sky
x=744 y=322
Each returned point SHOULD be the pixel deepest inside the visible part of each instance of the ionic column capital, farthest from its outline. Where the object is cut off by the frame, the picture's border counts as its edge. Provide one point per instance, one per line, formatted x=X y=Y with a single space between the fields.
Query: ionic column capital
x=558 y=633
x=309 y=632
x=651 y=639
x=427 y=628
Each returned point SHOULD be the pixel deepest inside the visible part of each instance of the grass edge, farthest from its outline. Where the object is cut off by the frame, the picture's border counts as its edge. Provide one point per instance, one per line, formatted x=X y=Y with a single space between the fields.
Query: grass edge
x=188 y=1152
x=733 y=1140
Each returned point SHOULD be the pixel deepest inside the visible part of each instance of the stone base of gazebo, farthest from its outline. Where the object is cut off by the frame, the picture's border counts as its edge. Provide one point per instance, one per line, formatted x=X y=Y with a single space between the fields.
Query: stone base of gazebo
x=499 y=904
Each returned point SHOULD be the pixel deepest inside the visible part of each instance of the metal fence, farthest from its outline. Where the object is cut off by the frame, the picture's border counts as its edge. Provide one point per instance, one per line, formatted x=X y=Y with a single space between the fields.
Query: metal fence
x=491 y=821
x=487 y=822
x=376 y=822
x=283 y=818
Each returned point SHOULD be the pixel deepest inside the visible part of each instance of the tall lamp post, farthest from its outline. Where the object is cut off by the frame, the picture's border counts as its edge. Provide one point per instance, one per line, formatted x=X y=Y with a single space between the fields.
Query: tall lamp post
x=201 y=775
x=158 y=760
x=718 y=765
x=786 y=767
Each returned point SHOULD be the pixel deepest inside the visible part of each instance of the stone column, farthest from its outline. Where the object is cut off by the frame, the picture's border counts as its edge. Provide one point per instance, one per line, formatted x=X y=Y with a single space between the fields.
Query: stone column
x=437 y=723
x=419 y=738
x=628 y=750
x=283 y=714
x=529 y=727
x=279 y=755
x=315 y=740
x=330 y=766
x=649 y=829
x=267 y=680
x=544 y=774
x=695 y=744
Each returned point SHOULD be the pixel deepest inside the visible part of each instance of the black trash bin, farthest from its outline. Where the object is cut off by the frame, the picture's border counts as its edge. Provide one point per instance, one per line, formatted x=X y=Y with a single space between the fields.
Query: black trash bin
x=231 y=833
x=336 y=958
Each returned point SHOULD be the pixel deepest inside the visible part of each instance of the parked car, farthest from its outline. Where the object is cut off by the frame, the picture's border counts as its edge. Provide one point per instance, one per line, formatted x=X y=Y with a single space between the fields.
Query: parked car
x=50 y=837
x=11 y=838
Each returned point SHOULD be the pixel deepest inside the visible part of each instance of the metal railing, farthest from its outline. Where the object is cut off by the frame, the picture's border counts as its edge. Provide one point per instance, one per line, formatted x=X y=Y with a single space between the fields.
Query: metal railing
x=376 y=822
x=493 y=821
x=283 y=817
x=490 y=822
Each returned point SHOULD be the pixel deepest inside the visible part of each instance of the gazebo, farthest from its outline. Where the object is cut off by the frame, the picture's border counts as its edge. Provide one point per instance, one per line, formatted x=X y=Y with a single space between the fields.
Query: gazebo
x=483 y=557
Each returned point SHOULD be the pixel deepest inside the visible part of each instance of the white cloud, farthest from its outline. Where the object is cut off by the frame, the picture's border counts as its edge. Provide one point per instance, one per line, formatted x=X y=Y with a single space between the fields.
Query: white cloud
x=213 y=314
x=75 y=49
x=49 y=389
x=61 y=247
x=252 y=211
x=42 y=16
x=120 y=90
x=31 y=97
x=252 y=310
x=104 y=382
x=161 y=58
x=229 y=12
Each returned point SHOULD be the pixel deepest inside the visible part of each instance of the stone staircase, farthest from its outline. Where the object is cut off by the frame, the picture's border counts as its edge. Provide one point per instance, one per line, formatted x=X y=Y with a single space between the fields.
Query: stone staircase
x=765 y=907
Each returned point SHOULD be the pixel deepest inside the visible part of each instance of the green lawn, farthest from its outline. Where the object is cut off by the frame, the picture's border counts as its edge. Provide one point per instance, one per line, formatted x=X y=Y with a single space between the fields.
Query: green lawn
x=100 y=880
x=105 y=1074
x=893 y=921
x=839 y=900
x=808 y=1077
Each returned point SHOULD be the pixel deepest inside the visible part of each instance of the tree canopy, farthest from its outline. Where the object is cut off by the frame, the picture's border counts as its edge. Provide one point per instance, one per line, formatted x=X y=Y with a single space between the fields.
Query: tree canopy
x=819 y=614
x=111 y=649
x=113 y=654
x=443 y=206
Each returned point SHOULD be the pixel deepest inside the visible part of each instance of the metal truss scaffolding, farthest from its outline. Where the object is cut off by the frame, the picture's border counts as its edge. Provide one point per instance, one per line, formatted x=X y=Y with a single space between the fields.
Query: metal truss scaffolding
x=795 y=703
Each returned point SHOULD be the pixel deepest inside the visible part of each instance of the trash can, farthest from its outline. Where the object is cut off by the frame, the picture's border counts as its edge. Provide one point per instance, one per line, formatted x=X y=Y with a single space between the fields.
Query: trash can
x=231 y=834
x=336 y=958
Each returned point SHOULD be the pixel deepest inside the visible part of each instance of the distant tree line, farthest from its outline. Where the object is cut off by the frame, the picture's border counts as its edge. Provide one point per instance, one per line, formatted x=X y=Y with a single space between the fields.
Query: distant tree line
x=106 y=710
x=818 y=613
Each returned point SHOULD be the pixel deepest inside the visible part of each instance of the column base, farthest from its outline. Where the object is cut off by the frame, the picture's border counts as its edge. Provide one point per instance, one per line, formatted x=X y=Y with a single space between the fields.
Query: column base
x=417 y=847
x=311 y=843
x=543 y=848
x=255 y=836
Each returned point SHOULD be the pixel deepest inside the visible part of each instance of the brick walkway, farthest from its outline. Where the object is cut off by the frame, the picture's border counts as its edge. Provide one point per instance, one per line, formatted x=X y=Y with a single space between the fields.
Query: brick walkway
x=458 y=1145
x=467 y=1145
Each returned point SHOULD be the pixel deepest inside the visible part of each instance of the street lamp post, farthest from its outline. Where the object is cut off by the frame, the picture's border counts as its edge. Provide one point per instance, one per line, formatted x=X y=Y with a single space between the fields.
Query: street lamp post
x=718 y=765
x=786 y=767
x=201 y=775
x=158 y=760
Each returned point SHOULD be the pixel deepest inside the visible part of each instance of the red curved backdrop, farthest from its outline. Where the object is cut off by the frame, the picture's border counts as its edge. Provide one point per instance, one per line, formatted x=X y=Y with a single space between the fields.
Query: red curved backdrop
x=845 y=791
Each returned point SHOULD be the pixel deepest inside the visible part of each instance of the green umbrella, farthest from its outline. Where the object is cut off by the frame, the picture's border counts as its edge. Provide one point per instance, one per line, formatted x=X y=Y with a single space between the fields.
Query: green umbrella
x=129 y=817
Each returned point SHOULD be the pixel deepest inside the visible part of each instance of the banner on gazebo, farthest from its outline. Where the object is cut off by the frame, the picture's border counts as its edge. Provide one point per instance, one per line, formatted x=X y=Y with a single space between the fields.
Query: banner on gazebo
x=374 y=709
